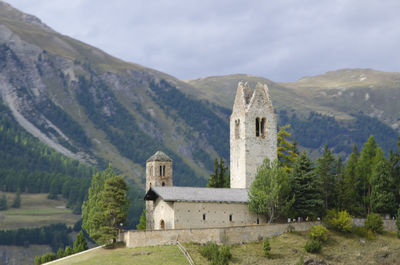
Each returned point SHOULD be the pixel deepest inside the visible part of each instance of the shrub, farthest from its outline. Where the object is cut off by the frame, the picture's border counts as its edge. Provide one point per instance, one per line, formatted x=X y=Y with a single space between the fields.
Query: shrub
x=363 y=232
x=266 y=248
x=300 y=261
x=340 y=221
x=318 y=232
x=313 y=246
x=374 y=222
x=217 y=256
x=398 y=222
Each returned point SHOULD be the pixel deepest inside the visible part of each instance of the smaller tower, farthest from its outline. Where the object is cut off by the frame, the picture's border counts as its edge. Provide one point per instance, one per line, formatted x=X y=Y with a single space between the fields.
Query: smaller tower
x=158 y=173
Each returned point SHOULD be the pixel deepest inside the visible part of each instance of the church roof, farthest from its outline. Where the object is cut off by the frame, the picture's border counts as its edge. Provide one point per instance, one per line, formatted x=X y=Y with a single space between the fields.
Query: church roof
x=159 y=157
x=194 y=194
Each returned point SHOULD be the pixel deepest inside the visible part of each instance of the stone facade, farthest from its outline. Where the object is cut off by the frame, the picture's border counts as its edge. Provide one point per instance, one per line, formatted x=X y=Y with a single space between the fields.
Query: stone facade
x=219 y=235
x=158 y=173
x=253 y=135
x=179 y=215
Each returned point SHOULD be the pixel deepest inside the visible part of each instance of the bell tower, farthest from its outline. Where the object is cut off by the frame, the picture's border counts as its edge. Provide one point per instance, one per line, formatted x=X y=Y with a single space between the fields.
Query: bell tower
x=253 y=135
x=158 y=173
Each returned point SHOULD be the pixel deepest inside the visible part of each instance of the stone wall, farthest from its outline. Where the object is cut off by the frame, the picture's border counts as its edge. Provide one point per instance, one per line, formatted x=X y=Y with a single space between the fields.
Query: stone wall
x=225 y=235
x=388 y=225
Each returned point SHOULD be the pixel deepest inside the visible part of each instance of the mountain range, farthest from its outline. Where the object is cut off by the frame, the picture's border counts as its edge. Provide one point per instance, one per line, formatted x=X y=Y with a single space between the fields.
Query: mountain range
x=91 y=106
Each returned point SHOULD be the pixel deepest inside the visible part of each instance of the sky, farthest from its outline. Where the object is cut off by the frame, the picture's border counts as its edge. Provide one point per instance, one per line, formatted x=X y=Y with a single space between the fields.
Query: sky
x=282 y=40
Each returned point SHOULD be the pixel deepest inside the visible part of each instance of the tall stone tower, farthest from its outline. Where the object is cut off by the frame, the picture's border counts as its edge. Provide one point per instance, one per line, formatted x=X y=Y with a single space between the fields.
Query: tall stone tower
x=253 y=135
x=158 y=173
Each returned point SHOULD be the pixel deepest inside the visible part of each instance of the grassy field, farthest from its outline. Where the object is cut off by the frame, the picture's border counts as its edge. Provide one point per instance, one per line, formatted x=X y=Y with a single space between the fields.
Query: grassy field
x=286 y=249
x=36 y=210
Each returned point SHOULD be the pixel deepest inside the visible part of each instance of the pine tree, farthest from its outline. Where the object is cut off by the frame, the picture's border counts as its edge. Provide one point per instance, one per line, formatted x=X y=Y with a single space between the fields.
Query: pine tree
x=325 y=170
x=60 y=253
x=269 y=193
x=142 y=221
x=3 y=203
x=114 y=203
x=306 y=188
x=287 y=152
x=220 y=178
x=17 y=200
x=382 y=199
x=350 y=196
x=366 y=165
x=394 y=164
x=80 y=243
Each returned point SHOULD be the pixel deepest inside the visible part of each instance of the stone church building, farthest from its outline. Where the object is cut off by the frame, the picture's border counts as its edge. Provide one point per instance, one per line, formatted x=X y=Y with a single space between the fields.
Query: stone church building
x=253 y=137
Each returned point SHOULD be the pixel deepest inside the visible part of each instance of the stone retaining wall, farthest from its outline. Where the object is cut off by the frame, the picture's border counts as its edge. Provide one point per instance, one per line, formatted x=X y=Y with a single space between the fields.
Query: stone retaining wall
x=388 y=225
x=223 y=235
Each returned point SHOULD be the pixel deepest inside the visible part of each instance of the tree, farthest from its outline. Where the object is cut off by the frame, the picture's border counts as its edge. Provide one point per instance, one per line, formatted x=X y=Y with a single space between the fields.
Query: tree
x=17 y=200
x=394 y=163
x=382 y=199
x=325 y=170
x=306 y=189
x=142 y=222
x=366 y=165
x=349 y=195
x=3 y=203
x=269 y=193
x=80 y=243
x=287 y=152
x=398 y=222
x=60 y=253
x=91 y=208
x=114 y=204
x=220 y=178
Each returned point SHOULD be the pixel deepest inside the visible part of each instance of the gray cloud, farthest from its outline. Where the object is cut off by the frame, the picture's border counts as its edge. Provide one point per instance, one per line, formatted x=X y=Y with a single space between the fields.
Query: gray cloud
x=281 y=40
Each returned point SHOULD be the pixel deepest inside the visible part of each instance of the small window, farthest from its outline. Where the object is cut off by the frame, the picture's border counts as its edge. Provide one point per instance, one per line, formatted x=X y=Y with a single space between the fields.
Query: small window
x=258 y=221
x=230 y=217
x=237 y=128
x=204 y=216
x=163 y=183
x=163 y=171
x=257 y=127
x=160 y=171
x=262 y=129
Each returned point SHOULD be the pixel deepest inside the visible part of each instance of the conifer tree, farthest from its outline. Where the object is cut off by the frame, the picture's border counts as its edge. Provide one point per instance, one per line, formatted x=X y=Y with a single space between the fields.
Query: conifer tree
x=394 y=164
x=17 y=200
x=142 y=222
x=220 y=178
x=382 y=199
x=80 y=243
x=3 y=203
x=306 y=188
x=350 y=196
x=325 y=170
x=287 y=152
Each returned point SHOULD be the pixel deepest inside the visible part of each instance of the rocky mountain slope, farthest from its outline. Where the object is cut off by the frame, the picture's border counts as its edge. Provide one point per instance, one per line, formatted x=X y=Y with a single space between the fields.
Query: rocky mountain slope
x=96 y=108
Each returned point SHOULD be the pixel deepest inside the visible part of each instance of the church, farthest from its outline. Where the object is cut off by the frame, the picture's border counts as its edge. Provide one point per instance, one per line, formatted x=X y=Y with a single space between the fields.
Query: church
x=253 y=137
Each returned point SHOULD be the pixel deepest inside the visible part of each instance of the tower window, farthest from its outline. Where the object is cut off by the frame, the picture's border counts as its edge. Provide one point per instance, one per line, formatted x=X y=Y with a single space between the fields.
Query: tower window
x=163 y=171
x=237 y=127
x=230 y=217
x=204 y=216
x=163 y=183
x=257 y=127
x=160 y=171
x=262 y=130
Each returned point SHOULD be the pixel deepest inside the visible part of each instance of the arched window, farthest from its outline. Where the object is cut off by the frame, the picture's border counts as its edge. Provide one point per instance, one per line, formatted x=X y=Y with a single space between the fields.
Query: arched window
x=163 y=171
x=160 y=171
x=263 y=127
x=162 y=224
x=257 y=127
x=237 y=127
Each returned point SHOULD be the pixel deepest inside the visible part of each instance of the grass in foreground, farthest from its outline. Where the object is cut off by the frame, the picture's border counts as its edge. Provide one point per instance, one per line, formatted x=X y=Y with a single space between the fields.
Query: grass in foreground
x=285 y=249
x=36 y=210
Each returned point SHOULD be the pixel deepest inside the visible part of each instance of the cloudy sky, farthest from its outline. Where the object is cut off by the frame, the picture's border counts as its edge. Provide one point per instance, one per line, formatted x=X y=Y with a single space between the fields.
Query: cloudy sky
x=282 y=40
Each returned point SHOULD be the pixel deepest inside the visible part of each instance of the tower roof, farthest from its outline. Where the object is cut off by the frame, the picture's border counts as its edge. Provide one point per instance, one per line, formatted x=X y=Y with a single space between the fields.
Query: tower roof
x=159 y=157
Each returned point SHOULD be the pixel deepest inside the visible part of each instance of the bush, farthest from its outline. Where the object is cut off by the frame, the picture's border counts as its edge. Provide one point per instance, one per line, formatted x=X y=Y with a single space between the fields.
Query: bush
x=217 y=256
x=374 y=222
x=313 y=246
x=49 y=256
x=266 y=248
x=318 y=232
x=300 y=261
x=340 y=221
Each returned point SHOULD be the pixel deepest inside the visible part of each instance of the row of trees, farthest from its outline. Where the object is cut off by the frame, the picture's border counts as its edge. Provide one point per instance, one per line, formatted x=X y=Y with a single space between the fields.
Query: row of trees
x=16 y=202
x=294 y=186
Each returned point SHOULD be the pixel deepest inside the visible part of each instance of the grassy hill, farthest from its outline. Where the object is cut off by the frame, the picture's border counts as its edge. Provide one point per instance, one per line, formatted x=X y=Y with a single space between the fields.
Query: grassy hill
x=286 y=249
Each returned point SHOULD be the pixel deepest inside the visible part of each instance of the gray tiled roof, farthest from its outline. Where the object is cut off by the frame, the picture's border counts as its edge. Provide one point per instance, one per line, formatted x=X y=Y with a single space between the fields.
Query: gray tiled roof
x=160 y=157
x=192 y=194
